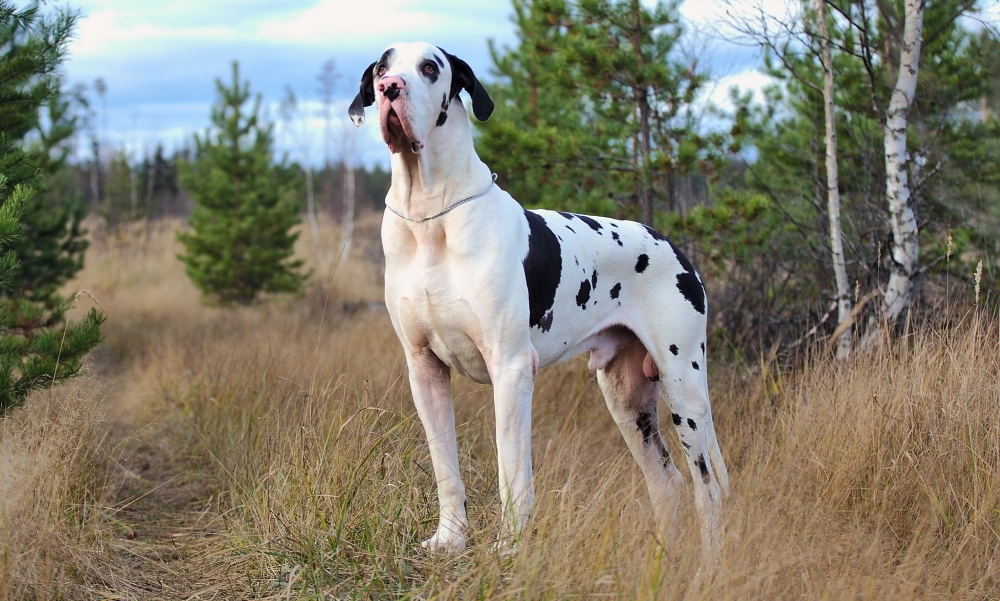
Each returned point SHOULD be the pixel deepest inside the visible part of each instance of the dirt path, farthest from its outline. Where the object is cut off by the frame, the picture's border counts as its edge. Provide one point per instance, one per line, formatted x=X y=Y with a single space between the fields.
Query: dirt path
x=166 y=516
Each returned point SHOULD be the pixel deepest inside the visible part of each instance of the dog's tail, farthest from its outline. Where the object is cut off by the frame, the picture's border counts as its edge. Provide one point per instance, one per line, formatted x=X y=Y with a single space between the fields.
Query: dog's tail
x=715 y=454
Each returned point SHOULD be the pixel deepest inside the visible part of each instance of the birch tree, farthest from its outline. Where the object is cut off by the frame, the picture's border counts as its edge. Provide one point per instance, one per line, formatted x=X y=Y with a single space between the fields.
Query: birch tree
x=298 y=125
x=833 y=189
x=328 y=77
x=905 y=246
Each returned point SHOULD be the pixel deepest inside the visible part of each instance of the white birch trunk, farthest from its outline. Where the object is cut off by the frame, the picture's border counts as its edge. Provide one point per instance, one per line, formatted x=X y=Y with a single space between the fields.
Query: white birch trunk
x=311 y=213
x=347 y=223
x=905 y=246
x=833 y=190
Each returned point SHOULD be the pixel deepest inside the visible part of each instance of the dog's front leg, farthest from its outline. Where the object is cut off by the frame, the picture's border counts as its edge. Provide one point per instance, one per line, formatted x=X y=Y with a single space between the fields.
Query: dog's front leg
x=430 y=383
x=513 y=382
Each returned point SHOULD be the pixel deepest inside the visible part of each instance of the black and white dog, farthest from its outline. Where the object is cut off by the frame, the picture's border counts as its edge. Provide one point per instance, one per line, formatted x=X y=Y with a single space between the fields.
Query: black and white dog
x=476 y=284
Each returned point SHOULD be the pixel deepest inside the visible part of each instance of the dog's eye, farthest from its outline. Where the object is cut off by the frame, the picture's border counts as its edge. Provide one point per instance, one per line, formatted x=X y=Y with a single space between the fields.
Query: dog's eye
x=430 y=69
x=381 y=70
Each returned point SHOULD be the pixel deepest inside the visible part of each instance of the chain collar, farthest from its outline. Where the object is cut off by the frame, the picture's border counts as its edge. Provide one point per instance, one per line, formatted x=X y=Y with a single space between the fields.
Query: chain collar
x=454 y=206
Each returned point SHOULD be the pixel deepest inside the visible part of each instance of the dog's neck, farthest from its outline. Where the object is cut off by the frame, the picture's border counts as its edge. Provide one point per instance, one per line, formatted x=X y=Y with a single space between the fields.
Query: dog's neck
x=447 y=170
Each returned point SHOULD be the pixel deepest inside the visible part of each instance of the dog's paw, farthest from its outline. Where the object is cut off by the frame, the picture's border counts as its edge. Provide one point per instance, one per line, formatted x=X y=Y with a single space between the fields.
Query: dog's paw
x=444 y=542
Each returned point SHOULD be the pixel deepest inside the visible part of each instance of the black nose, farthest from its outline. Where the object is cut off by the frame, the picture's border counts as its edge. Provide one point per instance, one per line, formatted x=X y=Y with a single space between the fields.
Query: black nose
x=392 y=93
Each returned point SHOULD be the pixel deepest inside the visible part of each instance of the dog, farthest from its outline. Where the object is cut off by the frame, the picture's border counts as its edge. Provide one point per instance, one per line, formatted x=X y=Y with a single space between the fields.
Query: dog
x=476 y=284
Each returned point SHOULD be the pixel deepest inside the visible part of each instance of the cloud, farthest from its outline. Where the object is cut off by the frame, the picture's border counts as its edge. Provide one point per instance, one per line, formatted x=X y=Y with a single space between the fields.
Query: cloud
x=160 y=59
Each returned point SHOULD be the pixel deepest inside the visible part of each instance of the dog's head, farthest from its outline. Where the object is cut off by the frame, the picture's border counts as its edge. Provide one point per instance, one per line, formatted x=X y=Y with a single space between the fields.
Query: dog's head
x=414 y=84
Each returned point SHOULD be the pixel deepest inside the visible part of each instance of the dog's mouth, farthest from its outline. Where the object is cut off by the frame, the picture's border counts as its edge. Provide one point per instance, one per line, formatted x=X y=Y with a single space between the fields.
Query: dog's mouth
x=396 y=129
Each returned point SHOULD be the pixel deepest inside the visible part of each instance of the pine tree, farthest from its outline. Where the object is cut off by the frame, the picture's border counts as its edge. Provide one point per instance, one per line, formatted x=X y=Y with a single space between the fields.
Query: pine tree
x=38 y=347
x=240 y=243
x=595 y=107
x=52 y=244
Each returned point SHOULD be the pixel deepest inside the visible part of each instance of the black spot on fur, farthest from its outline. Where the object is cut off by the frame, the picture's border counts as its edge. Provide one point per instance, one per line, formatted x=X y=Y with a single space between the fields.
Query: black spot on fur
x=567 y=215
x=593 y=280
x=545 y=323
x=577 y=261
x=439 y=61
x=570 y=229
x=617 y=238
x=674 y=349
x=702 y=348
x=703 y=468
x=442 y=118
x=676 y=418
x=613 y=224
x=686 y=445
x=691 y=424
x=616 y=290
x=689 y=284
x=645 y=423
x=665 y=456
x=583 y=295
x=594 y=225
x=655 y=234
x=694 y=364
x=542 y=269
x=641 y=263
x=444 y=100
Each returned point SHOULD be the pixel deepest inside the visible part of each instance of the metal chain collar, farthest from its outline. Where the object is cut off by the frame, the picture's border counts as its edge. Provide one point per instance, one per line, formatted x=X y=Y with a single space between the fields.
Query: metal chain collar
x=454 y=206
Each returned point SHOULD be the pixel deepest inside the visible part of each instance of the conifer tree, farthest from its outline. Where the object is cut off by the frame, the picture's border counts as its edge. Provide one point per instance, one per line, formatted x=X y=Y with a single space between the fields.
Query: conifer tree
x=240 y=243
x=596 y=107
x=38 y=347
x=52 y=244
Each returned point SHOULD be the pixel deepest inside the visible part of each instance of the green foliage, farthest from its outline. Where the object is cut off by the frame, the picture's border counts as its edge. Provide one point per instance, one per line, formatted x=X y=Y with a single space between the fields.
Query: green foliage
x=38 y=347
x=587 y=88
x=748 y=251
x=52 y=245
x=240 y=242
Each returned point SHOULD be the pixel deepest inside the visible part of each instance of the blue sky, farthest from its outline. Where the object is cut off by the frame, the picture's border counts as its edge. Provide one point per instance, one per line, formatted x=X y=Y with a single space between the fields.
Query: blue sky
x=160 y=58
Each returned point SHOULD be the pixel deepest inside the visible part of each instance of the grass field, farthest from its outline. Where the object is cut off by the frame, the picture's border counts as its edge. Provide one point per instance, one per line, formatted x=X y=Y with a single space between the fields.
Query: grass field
x=273 y=452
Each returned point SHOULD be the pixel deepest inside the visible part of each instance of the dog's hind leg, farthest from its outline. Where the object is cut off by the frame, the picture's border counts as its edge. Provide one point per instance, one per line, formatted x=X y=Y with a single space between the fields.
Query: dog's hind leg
x=430 y=383
x=686 y=389
x=632 y=399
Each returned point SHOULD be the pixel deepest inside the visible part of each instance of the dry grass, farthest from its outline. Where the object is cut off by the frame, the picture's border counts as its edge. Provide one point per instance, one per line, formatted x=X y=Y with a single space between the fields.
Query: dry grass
x=276 y=454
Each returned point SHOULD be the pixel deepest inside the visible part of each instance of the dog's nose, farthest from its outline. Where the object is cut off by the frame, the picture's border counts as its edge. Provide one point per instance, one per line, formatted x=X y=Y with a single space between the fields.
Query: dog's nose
x=391 y=86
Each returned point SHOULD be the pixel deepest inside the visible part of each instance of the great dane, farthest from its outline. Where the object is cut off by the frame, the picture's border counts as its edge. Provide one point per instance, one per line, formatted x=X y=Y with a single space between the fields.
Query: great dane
x=476 y=284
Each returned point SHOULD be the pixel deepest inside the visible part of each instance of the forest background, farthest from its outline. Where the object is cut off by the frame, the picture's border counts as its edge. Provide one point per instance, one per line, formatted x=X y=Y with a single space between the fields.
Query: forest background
x=844 y=217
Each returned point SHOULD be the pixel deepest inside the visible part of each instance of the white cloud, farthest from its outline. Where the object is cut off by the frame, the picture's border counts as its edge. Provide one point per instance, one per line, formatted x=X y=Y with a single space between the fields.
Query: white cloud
x=337 y=22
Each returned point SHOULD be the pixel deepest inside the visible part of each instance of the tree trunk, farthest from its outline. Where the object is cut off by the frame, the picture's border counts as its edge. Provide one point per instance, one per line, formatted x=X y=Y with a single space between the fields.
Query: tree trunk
x=833 y=188
x=905 y=246
x=647 y=185
x=642 y=102
x=311 y=212
x=347 y=223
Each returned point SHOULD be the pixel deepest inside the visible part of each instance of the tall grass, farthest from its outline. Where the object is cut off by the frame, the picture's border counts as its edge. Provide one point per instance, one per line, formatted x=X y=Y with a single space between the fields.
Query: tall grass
x=874 y=478
x=55 y=482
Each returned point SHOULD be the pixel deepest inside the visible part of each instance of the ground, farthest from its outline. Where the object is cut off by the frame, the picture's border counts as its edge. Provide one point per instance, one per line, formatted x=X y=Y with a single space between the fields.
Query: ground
x=273 y=452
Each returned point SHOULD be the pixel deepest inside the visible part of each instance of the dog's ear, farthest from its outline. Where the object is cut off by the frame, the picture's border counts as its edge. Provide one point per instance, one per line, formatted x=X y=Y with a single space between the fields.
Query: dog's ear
x=365 y=97
x=462 y=78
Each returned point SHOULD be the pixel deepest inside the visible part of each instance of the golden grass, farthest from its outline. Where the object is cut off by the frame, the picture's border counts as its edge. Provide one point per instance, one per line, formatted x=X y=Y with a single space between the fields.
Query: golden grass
x=278 y=455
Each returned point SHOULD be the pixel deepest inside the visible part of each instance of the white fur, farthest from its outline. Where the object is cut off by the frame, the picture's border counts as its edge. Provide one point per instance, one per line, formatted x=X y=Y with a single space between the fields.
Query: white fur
x=457 y=296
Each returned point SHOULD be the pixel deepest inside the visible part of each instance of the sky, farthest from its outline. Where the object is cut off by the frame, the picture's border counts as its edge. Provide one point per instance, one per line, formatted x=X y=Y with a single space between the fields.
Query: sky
x=160 y=59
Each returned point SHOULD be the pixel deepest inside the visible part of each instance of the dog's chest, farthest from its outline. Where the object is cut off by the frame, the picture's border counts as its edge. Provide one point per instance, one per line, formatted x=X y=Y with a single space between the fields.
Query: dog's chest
x=431 y=297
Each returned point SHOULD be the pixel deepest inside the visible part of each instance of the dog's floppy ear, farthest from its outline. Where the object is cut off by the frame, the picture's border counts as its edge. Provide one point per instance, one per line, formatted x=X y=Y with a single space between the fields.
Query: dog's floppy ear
x=462 y=78
x=365 y=97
